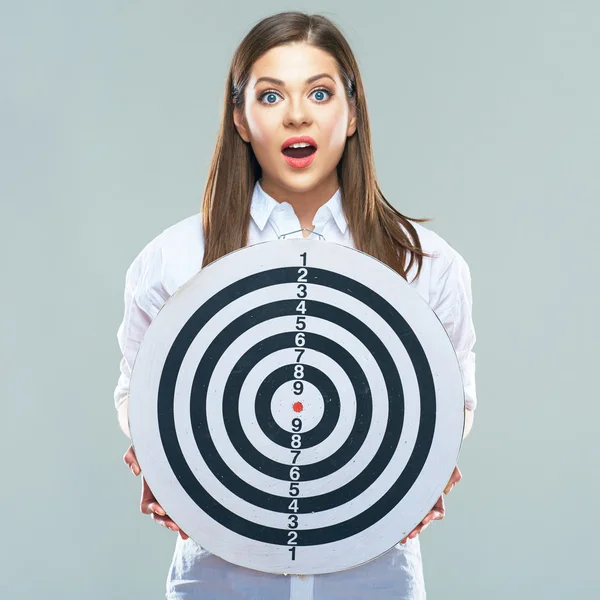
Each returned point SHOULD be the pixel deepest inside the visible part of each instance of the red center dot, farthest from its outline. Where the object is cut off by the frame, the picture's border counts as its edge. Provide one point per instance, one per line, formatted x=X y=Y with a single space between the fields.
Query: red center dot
x=298 y=406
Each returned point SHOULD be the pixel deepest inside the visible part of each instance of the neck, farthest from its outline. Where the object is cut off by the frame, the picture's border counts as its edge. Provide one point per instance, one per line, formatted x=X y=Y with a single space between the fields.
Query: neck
x=305 y=203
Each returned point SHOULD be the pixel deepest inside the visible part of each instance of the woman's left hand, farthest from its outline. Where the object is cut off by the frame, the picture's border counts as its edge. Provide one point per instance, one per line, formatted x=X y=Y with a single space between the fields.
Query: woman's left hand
x=438 y=512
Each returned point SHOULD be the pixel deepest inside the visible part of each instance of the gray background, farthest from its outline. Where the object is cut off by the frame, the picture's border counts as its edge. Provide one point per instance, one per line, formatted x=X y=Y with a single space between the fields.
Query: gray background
x=485 y=117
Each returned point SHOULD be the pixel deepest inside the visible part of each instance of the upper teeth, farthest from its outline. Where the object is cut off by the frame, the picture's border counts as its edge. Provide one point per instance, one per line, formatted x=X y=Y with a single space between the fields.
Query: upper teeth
x=299 y=145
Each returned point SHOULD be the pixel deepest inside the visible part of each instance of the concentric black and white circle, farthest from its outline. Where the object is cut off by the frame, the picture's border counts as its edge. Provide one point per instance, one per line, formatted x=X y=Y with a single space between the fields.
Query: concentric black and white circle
x=296 y=407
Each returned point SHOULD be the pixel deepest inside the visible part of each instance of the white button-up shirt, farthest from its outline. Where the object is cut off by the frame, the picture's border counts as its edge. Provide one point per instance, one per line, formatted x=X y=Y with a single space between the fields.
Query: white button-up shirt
x=169 y=261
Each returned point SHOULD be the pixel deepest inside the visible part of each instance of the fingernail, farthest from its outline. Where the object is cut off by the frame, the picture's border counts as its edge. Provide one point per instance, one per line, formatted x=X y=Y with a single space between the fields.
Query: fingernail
x=159 y=510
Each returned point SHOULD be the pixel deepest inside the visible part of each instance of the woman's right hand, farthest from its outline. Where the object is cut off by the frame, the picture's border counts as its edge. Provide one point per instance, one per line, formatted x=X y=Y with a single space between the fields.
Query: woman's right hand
x=148 y=503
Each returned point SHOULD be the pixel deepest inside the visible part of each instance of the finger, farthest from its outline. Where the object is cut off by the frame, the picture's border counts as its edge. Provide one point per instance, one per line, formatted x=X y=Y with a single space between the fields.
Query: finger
x=454 y=479
x=169 y=524
x=130 y=460
x=415 y=532
x=426 y=525
x=148 y=503
x=165 y=522
x=429 y=517
x=129 y=457
x=403 y=541
x=419 y=530
x=451 y=482
x=147 y=498
x=438 y=516
x=438 y=509
x=155 y=507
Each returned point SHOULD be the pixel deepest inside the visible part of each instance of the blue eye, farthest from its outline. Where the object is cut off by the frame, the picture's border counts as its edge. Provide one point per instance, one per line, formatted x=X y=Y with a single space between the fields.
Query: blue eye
x=270 y=97
x=323 y=91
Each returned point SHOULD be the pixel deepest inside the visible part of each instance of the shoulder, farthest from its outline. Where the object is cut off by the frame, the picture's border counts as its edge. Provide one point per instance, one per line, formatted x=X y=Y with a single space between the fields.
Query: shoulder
x=176 y=251
x=442 y=254
x=184 y=235
x=447 y=274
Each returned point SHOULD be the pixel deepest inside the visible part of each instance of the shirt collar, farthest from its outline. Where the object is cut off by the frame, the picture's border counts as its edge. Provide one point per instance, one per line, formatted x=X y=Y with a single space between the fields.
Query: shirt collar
x=263 y=205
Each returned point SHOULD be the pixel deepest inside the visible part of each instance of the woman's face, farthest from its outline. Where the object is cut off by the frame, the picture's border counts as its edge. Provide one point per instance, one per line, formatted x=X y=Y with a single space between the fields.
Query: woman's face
x=284 y=99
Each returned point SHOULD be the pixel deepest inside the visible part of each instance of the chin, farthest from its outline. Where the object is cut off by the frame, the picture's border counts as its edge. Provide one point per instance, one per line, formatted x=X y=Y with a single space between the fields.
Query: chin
x=300 y=181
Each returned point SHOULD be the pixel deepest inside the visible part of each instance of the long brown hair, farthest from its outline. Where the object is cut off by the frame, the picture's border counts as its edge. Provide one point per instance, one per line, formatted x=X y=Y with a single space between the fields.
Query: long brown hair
x=375 y=225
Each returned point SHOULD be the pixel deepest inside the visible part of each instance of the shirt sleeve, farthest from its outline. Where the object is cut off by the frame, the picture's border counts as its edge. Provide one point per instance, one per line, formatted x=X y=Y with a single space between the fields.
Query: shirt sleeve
x=452 y=301
x=144 y=296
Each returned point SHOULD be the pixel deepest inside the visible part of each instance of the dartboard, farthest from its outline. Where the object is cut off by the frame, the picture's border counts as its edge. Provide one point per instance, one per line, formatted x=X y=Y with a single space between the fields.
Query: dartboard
x=296 y=407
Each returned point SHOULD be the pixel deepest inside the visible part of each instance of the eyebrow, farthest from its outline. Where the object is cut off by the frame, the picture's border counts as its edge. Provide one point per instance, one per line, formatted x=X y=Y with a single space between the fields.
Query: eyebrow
x=279 y=82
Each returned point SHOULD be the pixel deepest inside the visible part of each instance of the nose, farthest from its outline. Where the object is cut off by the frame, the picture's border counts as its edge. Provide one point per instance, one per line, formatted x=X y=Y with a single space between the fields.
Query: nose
x=297 y=113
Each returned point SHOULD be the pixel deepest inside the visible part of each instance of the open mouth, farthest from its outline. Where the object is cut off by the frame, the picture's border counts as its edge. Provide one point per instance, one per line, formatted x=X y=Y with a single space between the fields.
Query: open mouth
x=299 y=152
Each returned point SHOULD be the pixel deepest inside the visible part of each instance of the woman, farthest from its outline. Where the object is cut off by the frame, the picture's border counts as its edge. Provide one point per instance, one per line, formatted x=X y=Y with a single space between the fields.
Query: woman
x=294 y=153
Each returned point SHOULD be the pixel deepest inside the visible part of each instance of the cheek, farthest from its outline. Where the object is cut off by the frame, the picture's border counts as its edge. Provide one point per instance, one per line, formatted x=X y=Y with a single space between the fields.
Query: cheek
x=261 y=127
x=263 y=130
x=335 y=129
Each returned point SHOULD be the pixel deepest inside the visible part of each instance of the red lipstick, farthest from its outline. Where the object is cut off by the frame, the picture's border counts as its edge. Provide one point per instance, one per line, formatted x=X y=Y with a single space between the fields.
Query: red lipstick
x=299 y=157
x=298 y=140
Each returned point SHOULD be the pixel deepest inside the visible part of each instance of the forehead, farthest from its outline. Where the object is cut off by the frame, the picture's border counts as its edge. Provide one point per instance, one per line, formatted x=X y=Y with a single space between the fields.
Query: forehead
x=294 y=63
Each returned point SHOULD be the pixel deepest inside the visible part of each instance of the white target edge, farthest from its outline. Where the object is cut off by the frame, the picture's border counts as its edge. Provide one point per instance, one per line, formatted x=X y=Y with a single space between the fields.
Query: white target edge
x=335 y=556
